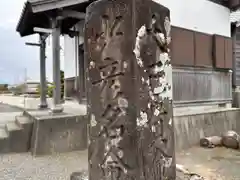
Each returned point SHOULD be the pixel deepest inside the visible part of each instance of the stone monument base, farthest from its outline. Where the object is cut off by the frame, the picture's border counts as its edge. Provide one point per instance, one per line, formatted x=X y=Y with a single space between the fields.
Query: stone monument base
x=57 y=133
x=56 y=109
x=42 y=106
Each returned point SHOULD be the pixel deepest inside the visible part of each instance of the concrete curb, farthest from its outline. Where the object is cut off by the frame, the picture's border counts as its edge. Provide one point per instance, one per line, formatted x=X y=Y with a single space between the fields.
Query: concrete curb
x=13 y=106
x=19 y=107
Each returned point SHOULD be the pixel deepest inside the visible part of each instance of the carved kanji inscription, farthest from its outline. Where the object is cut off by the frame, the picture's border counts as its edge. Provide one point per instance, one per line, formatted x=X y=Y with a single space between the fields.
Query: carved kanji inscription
x=129 y=91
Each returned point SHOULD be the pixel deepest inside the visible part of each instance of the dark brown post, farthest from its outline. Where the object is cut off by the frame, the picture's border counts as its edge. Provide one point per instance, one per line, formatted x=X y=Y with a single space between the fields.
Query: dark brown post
x=129 y=81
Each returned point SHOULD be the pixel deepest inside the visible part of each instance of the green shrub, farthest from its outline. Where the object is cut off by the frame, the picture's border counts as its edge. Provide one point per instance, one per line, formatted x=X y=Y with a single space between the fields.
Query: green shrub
x=51 y=87
x=49 y=90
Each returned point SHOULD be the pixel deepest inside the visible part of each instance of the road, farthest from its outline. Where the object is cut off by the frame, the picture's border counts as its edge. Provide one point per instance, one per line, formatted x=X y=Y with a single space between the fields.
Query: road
x=6 y=108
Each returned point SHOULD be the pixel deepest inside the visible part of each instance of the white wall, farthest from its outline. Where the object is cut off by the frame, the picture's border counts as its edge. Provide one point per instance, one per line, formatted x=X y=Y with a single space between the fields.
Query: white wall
x=69 y=53
x=199 y=15
x=69 y=57
x=49 y=61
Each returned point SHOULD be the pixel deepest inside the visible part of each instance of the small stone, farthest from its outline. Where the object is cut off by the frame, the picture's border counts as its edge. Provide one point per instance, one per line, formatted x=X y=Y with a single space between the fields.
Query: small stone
x=231 y=139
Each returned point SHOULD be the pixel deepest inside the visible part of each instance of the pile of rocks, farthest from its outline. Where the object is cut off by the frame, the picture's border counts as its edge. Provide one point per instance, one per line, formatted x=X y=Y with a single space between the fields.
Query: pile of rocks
x=230 y=139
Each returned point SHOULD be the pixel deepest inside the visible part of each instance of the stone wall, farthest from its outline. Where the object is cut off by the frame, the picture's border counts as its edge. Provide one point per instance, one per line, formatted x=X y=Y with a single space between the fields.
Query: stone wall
x=69 y=132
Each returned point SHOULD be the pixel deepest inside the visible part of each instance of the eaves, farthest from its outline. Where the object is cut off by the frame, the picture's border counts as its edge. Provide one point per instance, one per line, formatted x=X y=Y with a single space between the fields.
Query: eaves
x=47 y=5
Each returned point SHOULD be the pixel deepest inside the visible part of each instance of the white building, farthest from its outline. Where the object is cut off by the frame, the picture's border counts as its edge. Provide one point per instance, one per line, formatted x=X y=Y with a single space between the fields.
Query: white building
x=200 y=27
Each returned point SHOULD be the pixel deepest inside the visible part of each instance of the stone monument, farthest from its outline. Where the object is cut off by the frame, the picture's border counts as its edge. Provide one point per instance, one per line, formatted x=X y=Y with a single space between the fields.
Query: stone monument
x=129 y=91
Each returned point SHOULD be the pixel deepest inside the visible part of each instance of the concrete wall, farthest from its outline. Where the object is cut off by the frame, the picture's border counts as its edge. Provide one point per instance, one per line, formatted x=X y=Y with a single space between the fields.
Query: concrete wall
x=236 y=97
x=199 y=15
x=64 y=133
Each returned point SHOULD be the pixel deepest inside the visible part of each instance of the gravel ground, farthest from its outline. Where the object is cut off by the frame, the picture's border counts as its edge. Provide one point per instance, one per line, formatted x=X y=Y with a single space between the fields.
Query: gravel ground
x=23 y=166
x=55 y=167
x=212 y=164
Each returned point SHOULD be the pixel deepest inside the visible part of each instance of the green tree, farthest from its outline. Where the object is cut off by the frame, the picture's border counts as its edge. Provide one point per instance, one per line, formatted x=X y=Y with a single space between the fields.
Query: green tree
x=49 y=89
x=20 y=89
x=3 y=87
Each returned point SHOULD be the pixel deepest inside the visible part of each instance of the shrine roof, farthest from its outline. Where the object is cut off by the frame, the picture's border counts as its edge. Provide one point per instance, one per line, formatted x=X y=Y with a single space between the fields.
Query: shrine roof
x=36 y=13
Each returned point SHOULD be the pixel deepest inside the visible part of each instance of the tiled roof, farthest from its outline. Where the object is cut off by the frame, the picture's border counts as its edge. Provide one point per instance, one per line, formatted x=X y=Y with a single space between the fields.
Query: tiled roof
x=235 y=16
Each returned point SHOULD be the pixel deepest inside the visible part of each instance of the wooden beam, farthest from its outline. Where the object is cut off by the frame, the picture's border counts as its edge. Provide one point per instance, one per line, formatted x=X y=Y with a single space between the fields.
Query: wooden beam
x=42 y=30
x=233 y=5
x=45 y=36
x=73 y=33
x=73 y=14
x=32 y=44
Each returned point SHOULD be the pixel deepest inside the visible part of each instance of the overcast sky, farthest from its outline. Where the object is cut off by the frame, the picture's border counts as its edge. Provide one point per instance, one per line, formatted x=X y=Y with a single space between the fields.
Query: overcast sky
x=14 y=54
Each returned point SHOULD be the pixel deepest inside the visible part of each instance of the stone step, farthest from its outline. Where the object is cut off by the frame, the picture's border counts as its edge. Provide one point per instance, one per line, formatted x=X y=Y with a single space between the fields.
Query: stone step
x=23 y=121
x=20 y=134
x=3 y=133
x=4 y=139
x=13 y=126
x=15 y=135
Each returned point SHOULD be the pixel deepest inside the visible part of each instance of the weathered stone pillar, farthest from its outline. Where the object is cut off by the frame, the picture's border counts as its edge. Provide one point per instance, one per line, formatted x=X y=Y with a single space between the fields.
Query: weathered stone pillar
x=129 y=80
x=43 y=83
x=57 y=107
